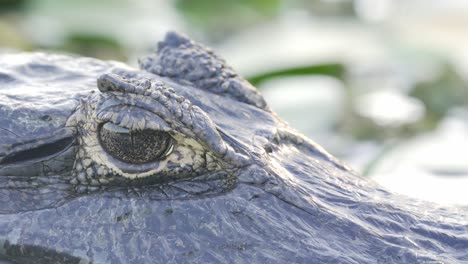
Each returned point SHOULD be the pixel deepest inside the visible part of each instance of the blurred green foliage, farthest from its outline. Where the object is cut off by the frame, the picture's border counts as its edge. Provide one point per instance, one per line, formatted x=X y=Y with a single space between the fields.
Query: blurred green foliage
x=9 y=32
x=336 y=70
x=9 y=5
x=330 y=8
x=9 y=37
x=223 y=17
x=441 y=93
x=94 y=46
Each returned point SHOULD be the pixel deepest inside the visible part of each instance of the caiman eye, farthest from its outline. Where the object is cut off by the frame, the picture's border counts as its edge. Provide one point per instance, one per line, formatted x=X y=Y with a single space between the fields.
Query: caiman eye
x=135 y=146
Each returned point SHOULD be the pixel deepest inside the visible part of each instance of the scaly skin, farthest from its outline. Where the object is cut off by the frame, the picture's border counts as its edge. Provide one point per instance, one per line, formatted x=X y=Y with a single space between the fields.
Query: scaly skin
x=231 y=182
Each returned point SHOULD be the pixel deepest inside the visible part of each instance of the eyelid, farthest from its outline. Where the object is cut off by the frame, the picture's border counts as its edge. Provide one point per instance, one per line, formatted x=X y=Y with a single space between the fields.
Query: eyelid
x=115 y=128
x=132 y=118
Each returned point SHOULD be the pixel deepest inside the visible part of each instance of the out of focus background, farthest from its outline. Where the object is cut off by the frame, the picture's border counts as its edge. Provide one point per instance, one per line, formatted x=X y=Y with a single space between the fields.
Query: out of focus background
x=381 y=84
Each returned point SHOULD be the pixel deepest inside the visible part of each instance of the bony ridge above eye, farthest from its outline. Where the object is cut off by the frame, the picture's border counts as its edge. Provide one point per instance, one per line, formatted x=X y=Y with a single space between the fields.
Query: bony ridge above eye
x=136 y=147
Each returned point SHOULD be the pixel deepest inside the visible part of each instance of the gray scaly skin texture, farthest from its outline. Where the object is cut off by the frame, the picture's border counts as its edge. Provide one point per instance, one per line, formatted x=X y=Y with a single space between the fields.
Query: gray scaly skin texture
x=230 y=183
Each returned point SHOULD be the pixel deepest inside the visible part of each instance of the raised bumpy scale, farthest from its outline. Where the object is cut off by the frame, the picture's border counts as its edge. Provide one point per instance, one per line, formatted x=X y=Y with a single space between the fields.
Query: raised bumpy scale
x=182 y=161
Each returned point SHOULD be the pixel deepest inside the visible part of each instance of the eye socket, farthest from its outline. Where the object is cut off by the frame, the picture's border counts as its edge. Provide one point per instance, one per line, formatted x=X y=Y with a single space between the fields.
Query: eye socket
x=135 y=146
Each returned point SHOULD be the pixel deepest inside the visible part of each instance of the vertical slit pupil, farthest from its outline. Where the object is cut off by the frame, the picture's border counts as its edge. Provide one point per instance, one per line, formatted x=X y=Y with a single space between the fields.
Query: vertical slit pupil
x=134 y=146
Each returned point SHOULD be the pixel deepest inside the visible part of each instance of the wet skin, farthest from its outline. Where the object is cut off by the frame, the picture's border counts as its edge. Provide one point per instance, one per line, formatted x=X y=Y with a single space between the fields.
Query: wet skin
x=183 y=161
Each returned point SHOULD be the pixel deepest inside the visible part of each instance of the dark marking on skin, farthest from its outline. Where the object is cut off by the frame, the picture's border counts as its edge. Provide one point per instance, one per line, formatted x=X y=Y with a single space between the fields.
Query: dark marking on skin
x=9 y=131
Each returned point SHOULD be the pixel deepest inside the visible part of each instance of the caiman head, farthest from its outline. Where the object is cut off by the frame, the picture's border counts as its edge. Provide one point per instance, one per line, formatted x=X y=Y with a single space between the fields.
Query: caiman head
x=74 y=126
x=186 y=126
x=181 y=160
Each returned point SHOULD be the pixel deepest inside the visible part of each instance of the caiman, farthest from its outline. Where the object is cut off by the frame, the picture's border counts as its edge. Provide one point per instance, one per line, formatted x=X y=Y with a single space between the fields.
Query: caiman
x=183 y=161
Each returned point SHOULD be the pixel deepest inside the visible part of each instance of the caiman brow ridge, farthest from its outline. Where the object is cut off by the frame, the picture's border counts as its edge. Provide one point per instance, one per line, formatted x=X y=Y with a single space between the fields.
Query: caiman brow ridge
x=237 y=184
